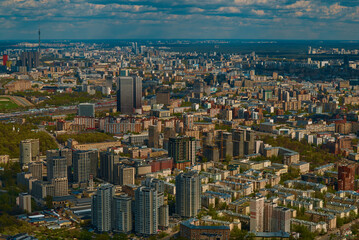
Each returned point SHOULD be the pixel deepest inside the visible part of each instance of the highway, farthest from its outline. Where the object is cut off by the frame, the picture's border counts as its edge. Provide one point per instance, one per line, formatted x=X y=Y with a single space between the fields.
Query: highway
x=55 y=110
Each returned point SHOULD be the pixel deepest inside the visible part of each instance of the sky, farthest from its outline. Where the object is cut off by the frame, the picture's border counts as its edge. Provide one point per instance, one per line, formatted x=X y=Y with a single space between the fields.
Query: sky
x=180 y=19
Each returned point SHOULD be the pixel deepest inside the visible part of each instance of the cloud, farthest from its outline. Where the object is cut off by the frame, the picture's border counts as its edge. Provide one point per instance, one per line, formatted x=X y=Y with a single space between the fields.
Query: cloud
x=179 y=18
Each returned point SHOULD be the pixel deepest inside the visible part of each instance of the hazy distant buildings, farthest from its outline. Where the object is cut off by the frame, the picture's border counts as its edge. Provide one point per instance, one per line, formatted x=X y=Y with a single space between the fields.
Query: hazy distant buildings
x=129 y=94
x=30 y=59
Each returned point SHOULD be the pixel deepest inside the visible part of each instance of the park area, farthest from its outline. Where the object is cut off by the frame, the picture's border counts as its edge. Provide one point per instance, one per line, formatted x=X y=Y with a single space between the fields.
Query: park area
x=7 y=104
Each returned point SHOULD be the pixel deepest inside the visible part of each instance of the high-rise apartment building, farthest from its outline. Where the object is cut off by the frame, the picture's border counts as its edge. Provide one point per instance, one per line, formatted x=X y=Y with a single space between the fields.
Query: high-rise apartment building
x=86 y=110
x=243 y=143
x=129 y=94
x=182 y=150
x=124 y=175
x=36 y=169
x=257 y=214
x=188 y=194
x=85 y=163
x=107 y=163
x=146 y=211
x=61 y=186
x=25 y=202
x=30 y=59
x=122 y=214
x=267 y=216
x=346 y=177
x=102 y=208
x=153 y=136
x=29 y=151
x=56 y=168
x=225 y=145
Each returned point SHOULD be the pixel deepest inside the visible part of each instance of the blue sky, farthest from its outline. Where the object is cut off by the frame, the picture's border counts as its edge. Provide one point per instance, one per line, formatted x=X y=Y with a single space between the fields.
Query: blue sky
x=180 y=19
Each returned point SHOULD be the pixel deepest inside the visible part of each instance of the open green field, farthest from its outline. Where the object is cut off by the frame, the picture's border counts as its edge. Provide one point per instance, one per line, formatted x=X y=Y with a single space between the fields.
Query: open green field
x=7 y=103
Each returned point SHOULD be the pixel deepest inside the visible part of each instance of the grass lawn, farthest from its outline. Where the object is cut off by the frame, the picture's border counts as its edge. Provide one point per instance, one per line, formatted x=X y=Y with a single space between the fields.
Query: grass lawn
x=6 y=103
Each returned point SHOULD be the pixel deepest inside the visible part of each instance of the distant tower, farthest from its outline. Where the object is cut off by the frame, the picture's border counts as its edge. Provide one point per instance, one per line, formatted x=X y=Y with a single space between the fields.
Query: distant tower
x=39 y=42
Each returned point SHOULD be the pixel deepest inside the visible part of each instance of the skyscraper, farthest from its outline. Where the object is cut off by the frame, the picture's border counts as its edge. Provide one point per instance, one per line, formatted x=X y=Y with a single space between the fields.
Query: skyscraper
x=122 y=214
x=102 y=208
x=129 y=94
x=188 y=194
x=146 y=211
x=56 y=168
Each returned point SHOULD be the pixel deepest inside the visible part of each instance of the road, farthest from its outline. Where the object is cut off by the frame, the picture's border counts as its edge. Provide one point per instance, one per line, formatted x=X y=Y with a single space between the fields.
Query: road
x=56 y=110
x=337 y=231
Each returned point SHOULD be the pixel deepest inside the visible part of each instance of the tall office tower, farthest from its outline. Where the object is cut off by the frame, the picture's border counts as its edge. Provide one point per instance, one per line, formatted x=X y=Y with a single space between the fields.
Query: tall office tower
x=107 y=163
x=182 y=150
x=30 y=59
x=25 y=202
x=29 y=151
x=256 y=214
x=61 y=186
x=188 y=194
x=153 y=136
x=163 y=97
x=102 y=208
x=124 y=175
x=346 y=174
x=225 y=145
x=281 y=219
x=56 y=168
x=146 y=211
x=129 y=94
x=85 y=163
x=86 y=110
x=35 y=168
x=122 y=214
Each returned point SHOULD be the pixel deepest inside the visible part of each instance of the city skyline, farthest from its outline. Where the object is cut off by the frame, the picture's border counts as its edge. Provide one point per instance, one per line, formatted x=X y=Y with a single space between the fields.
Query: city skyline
x=212 y=19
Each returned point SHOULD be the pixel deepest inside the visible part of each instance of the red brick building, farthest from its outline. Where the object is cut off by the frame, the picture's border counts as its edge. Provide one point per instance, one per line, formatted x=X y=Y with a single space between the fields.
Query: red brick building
x=346 y=175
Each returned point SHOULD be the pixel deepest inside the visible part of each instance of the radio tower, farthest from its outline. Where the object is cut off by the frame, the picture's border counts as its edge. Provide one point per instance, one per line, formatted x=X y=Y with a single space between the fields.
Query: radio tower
x=39 y=42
